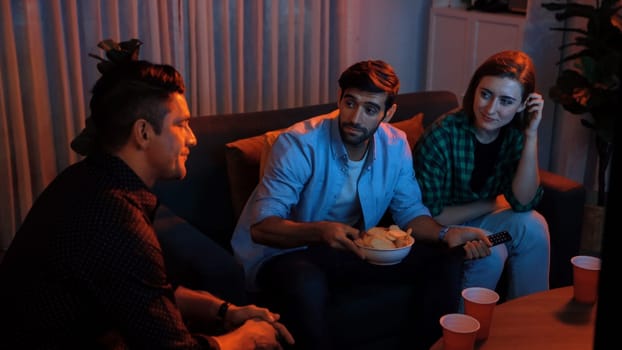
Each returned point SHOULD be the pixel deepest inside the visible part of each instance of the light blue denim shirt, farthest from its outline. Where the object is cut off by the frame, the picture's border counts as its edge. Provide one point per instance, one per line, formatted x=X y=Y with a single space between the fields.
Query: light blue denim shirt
x=305 y=172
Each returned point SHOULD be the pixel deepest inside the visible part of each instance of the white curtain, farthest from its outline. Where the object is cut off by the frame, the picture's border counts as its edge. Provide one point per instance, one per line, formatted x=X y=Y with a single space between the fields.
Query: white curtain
x=235 y=55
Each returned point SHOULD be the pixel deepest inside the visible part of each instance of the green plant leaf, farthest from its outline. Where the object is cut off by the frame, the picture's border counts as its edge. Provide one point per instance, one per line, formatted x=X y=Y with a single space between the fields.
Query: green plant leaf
x=594 y=82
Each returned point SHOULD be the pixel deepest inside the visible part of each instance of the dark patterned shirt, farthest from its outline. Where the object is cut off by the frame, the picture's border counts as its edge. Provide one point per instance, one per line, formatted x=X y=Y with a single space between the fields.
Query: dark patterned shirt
x=85 y=263
x=444 y=161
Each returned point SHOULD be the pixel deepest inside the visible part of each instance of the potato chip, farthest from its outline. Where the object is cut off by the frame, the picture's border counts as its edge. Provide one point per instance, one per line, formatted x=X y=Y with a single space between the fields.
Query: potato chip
x=386 y=238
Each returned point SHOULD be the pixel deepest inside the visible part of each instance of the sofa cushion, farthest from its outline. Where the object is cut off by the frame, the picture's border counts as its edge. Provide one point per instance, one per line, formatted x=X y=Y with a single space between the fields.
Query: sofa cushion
x=413 y=127
x=242 y=158
x=268 y=141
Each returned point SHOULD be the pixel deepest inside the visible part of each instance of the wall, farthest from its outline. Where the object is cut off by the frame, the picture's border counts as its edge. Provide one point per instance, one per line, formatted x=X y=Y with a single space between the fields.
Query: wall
x=541 y=44
x=393 y=30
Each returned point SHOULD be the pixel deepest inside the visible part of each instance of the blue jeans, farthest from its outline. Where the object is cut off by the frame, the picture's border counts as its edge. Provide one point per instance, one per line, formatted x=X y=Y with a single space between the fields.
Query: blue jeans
x=527 y=255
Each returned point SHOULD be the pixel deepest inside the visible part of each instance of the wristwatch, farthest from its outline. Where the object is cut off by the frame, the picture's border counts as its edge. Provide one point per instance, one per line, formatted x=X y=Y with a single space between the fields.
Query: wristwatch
x=222 y=310
x=443 y=233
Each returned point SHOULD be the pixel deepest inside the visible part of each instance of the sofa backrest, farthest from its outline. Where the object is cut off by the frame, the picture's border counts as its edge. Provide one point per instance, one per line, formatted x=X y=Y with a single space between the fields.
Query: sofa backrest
x=203 y=198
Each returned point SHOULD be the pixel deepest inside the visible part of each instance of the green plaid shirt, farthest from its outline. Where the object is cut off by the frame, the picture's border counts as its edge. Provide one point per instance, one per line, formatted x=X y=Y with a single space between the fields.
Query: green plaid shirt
x=444 y=160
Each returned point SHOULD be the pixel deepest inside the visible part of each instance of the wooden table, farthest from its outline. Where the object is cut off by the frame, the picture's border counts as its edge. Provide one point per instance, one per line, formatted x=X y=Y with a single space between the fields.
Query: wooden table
x=540 y=321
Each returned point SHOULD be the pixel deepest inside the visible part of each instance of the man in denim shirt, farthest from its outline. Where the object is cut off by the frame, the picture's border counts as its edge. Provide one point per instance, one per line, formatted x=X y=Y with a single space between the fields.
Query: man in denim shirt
x=327 y=180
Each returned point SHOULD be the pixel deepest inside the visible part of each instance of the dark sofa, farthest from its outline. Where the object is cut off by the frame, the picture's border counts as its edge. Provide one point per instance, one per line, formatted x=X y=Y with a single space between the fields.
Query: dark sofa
x=224 y=168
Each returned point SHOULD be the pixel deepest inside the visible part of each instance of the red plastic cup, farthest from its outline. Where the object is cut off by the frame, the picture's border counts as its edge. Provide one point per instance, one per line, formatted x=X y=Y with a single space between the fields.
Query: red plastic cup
x=459 y=331
x=480 y=303
x=585 y=273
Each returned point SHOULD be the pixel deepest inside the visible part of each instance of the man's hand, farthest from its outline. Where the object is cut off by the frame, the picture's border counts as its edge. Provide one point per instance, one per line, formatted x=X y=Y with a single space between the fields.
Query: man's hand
x=340 y=236
x=237 y=315
x=256 y=333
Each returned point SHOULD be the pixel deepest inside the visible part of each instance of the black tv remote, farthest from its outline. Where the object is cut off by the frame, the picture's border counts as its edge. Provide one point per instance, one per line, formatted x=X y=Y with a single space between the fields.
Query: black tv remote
x=495 y=239
x=499 y=237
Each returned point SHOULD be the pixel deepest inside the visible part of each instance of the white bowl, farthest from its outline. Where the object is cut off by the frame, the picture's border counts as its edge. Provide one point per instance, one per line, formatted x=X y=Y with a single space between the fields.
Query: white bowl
x=386 y=256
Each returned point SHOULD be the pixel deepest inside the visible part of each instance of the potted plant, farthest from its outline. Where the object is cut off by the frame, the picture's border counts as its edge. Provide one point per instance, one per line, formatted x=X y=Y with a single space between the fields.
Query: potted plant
x=591 y=87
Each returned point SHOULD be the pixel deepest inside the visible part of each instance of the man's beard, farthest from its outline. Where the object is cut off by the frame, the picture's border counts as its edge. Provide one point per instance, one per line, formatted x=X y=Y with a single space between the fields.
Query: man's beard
x=356 y=141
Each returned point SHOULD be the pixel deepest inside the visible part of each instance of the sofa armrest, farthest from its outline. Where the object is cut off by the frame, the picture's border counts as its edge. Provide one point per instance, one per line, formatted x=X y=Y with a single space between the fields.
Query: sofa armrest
x=562 y=206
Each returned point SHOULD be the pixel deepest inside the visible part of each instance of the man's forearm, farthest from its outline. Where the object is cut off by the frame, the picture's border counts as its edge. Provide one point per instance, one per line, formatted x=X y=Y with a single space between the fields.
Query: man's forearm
x=197 y=305
x=277 y=232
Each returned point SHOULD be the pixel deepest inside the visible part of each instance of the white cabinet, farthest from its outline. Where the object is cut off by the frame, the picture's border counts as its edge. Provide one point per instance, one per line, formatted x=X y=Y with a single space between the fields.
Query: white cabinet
x=459 y=40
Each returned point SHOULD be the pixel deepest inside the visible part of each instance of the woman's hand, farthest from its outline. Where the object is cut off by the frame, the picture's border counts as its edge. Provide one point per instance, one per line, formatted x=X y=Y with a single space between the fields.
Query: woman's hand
x=475 y=240
x=533 y=106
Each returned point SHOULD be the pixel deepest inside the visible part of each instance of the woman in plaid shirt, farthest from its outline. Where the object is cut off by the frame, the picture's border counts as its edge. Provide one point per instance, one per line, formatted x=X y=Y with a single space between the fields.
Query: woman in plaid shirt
x=478 y=166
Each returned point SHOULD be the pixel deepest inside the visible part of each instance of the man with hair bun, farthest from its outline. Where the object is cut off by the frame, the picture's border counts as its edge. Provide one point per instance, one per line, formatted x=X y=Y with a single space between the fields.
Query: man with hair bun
x=85 y=270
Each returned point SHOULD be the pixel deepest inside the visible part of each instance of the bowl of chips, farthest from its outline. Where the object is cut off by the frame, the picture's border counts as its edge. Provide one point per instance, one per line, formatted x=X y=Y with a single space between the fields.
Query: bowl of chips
x=385 y=245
